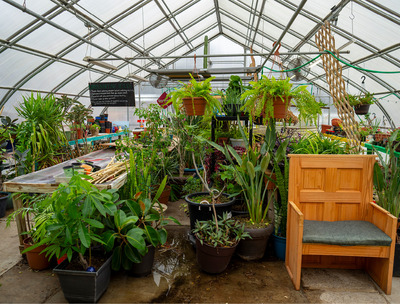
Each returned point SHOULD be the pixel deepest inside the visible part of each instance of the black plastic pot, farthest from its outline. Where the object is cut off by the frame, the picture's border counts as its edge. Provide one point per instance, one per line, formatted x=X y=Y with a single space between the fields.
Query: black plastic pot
x=204 y=212
x=254 y=248
x=362 y=109
x=83 y=286
x=211 y=259
x=3 y=203
x=145 y=267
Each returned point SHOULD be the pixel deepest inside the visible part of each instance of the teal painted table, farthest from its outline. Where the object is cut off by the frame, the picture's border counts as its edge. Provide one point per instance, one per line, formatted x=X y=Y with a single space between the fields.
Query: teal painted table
x=101 y=136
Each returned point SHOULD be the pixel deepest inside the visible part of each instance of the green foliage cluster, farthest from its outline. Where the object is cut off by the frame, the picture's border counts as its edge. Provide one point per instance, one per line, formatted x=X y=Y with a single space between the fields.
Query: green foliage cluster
x=227 y=232
x=314 y=143
x=308 y=107
x=260 y=97
x=74 y=220
x=365 y=99
x=387 y=178
x=40 y=132
x=195 y=89
x=135 y=225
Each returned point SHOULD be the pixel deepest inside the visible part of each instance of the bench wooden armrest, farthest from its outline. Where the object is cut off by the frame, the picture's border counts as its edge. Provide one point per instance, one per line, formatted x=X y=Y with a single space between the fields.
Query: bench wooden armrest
x=294 y=239
x=382 y=219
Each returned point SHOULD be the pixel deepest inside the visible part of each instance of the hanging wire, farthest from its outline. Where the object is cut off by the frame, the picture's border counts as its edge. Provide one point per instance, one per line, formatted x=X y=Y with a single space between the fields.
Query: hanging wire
x=89 y=49
x=340 y=60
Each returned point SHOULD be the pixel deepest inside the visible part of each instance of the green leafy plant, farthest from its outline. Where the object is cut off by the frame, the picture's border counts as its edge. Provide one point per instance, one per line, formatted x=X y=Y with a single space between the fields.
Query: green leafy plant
x=78 y=210
x=95 y=127
x=136 y=224
x=308 y=107
x=40 y=132
x=248 y=171
x=195 y=89
x=365 y=99
x=387 y=178
x=314 y=143
x=259 y=99
x=226 y=232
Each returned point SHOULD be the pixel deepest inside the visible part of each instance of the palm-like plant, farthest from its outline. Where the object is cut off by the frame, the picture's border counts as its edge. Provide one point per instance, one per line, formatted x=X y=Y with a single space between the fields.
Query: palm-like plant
x=41 y=131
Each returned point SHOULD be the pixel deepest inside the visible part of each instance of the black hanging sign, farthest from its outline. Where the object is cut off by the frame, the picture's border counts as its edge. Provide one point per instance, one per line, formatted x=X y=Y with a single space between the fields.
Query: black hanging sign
x=112 y=94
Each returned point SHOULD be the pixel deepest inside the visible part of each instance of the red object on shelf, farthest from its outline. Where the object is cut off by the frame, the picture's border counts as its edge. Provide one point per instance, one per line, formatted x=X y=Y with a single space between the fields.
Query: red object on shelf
x=336 y=122
x=108 y=130
x=163 y=101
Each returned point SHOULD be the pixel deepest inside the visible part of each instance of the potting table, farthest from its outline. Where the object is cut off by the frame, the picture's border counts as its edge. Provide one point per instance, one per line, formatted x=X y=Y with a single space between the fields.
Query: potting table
x=101 y=136
x=43 y=181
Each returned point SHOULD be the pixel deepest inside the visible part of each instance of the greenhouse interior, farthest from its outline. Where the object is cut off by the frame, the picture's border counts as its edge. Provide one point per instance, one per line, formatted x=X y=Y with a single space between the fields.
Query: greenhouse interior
x=204 y=151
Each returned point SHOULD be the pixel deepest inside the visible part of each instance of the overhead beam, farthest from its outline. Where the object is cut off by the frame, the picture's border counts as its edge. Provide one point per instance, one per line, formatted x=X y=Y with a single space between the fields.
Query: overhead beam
x=258 y=23
x=216 y=5
x=296 y=13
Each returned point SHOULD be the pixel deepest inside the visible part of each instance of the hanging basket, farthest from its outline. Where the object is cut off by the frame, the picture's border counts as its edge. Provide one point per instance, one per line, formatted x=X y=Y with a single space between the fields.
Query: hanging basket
x=280 y=107
x=195 y=106
x=362 y=109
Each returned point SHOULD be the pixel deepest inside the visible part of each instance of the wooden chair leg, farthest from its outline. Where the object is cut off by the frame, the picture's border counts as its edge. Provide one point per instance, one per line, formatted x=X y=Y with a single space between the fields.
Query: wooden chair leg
x=381 y=271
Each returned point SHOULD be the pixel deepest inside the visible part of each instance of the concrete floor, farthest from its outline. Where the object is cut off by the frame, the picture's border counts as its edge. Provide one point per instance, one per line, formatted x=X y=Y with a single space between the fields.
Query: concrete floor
x=176 y=278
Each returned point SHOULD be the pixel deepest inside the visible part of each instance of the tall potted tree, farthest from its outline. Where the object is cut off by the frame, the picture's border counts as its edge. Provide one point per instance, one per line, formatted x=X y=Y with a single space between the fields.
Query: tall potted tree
x=78 y=209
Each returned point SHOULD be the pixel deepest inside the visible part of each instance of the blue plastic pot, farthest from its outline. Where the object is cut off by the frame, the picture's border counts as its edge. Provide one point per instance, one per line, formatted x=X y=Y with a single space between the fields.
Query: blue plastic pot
x=280 y=247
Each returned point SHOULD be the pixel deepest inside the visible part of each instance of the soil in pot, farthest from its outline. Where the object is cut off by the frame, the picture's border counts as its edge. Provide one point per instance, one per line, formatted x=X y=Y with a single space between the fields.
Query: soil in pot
x=254 y=248
x=36 y=260
x=213 y=260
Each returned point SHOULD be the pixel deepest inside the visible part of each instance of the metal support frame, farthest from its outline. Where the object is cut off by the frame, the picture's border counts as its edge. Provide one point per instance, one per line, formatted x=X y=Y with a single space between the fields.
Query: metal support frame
x=299 y=8
x=217 y=13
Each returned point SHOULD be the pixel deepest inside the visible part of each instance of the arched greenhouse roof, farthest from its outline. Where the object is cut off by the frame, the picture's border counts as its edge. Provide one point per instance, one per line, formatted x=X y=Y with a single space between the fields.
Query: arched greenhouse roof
x=43 y=43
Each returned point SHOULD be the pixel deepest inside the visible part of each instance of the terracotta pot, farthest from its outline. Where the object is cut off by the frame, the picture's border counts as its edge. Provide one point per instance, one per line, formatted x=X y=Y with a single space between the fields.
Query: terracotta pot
x=271 y=185
x=211 y=259
x=164 y=198
x=195 y=106
x=362 y=109
x=223 y=140
x=281 y=108
x=79 y=134
x=381 y=136
x=336 y=122
x=108 y=130
x=36 y=260
x=325 y=128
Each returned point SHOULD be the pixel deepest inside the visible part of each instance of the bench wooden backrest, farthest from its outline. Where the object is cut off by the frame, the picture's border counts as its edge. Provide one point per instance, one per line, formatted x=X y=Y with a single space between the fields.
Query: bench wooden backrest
x=331 y=187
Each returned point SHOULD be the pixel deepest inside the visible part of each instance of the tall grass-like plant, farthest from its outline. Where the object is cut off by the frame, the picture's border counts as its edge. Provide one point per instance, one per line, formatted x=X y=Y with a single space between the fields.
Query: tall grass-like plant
x=41 y=131
x=387 y=178
x=314 y=143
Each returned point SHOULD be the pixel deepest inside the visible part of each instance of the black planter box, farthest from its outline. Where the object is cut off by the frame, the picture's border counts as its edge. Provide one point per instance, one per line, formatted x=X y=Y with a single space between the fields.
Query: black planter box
x=83 y=286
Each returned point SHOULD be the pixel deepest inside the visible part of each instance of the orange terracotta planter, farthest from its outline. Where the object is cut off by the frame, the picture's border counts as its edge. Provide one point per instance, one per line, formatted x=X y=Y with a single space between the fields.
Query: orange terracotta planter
x=280 y=107
x=36 y=260
x=195 y=106
x=336 y=122
x=325 y=128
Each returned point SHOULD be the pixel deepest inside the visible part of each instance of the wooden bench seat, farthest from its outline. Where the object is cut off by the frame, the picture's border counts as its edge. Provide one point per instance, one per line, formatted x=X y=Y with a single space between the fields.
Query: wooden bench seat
x=332 y=221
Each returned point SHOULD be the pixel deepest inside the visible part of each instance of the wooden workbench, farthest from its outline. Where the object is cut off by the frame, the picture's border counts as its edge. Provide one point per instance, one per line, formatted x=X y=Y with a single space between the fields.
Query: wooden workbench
x=43 y=181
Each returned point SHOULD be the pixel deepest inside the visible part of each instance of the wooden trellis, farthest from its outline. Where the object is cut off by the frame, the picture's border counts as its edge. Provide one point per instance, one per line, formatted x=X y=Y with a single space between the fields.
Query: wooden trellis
x=333 y=70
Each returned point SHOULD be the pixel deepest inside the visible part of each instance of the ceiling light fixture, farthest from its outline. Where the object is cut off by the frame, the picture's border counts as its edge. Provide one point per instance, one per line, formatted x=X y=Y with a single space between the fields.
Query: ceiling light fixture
x=99 y=63
x=138 y=78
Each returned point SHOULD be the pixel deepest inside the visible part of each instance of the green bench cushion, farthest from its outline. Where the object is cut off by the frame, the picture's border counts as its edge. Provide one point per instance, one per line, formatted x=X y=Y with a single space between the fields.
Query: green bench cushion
x=345 y=233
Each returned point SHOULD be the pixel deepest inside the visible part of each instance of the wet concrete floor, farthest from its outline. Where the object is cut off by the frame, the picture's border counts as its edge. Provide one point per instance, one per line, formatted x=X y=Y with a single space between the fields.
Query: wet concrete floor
x=176 y=278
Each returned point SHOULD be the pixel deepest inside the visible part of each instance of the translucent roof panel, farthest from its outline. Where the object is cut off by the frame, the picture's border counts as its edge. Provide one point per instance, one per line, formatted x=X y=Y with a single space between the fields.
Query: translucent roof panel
x=139 y=20
x=128 y=28
x=47 y=39
x=105 y=10
x=14 y=65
